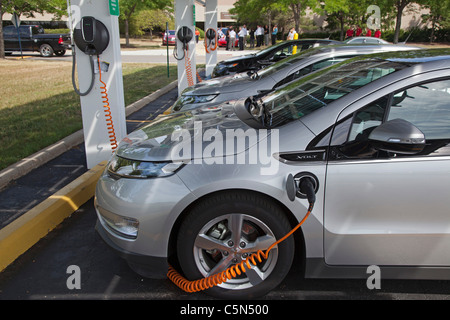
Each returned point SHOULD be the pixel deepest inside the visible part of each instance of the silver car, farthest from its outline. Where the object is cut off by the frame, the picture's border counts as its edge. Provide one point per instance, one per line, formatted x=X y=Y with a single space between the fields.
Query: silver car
x=212 y=92
x=365 y=142
x=365 y=40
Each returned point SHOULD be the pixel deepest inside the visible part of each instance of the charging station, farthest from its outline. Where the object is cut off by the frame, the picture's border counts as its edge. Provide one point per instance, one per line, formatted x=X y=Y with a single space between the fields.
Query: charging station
x=185 y=44
x=97 y=61
x=211 y=24
x=185 y=50
x=95 y=31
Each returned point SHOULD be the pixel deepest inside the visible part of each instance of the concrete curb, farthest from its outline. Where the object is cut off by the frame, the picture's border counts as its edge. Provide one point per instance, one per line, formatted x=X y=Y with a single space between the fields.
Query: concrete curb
x=24 y=232
x=24 y=166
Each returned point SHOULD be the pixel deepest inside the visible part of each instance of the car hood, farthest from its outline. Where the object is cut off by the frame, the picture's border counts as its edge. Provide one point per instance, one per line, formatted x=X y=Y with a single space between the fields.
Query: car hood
x=187 y=136
x=227 y=84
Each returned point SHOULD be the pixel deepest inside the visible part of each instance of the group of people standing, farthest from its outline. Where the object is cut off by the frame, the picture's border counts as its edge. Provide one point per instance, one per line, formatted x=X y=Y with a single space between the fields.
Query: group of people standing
x=231 y=38
x=357 y=32
x=260 y=35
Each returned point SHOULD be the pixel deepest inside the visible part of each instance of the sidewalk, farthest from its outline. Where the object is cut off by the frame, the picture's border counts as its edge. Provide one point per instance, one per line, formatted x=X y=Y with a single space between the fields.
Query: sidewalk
x=58 y=182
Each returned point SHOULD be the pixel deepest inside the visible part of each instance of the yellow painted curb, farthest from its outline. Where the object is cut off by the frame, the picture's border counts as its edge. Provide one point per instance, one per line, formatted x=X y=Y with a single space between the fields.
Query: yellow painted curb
x=21 y=234
x=168 y=111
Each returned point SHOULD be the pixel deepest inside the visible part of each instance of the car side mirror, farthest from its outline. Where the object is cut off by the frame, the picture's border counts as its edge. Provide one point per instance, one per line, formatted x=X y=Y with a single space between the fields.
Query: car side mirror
x=398 y=136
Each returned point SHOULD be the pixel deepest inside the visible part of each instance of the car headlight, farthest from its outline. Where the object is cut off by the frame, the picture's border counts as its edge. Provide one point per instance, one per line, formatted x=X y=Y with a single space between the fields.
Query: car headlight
x=141 y=169
x=191 y=99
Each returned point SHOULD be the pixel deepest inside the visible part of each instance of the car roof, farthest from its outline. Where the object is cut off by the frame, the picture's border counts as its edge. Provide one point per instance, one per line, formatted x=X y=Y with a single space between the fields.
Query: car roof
x=343 y=49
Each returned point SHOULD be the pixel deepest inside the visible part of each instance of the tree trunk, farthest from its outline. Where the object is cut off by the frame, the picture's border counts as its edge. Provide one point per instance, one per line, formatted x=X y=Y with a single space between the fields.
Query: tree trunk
x=127 y=34
x=433 y=26
x=296 y=12
x=2 y=44
x=401 y=4
x=341 y=21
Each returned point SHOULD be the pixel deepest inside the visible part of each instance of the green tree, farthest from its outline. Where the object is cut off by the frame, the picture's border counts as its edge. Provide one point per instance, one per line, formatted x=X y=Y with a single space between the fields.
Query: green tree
x=439 y=15
x=336 y=10
x=255 y=11
x=129 y=8
x=150 y=19
x=399 y=7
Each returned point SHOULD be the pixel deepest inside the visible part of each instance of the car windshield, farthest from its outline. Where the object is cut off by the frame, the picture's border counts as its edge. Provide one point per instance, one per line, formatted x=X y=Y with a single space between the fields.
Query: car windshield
x=269 y=49
x=316 y=91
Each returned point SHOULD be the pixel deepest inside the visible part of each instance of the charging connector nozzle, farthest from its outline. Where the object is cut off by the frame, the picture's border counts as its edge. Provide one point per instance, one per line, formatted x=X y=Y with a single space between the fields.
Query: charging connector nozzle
x=307 y=187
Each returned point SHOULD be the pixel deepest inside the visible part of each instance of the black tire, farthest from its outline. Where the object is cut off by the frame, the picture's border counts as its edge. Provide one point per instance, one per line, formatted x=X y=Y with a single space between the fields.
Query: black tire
x=260 y=218
x=46 y=50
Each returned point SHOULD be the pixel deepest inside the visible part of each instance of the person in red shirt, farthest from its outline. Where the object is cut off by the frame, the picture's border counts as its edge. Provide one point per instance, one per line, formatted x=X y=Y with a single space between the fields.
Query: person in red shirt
x=358 y=31
x=378 y=34
x=349 y=33
x=369 y=33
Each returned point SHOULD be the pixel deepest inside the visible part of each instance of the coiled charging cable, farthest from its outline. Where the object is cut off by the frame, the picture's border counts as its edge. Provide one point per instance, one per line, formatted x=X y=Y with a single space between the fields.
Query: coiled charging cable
x=107 y=110
x=243 y=266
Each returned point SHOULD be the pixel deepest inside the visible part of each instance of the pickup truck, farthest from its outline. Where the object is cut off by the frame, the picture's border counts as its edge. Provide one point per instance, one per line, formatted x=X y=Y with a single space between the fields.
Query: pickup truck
x=33 y=38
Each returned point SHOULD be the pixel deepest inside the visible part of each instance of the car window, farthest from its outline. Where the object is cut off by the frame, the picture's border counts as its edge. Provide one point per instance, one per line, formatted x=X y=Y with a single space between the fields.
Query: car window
x=427 y=106
x=37 y=30
x=24 y=32
x=311 y=68
x=10 y=32
x=355 y=41
x=367 y=119
x=281 y=54
x=305 y=95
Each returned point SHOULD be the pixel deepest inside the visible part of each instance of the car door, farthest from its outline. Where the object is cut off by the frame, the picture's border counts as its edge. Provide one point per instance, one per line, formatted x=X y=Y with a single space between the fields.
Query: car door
x=390 y=209
x=10 y=39
x=25 y=38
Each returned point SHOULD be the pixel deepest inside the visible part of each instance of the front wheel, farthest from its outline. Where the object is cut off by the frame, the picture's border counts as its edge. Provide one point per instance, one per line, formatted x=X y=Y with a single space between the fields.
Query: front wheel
x=224 y=230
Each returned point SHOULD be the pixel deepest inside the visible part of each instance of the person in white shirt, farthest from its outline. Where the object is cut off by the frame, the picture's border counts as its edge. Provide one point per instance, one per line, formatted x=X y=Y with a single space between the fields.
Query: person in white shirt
x=232 y=39
x=291 y=34
x=259 y=36
x=241 y=35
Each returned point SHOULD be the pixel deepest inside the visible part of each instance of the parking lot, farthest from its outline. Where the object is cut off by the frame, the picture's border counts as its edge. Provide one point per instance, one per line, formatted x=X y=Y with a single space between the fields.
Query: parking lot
x=42 y=274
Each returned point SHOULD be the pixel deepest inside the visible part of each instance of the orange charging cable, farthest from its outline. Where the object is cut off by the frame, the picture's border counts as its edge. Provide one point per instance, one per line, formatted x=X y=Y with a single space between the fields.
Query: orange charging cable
x=107 y=109
x=188 y=68
x=231 y=272
x=208 y=46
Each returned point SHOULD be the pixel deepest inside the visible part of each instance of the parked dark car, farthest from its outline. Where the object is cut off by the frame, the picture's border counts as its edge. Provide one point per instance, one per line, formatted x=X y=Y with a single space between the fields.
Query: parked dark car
x=34 y=38
x=266 y=56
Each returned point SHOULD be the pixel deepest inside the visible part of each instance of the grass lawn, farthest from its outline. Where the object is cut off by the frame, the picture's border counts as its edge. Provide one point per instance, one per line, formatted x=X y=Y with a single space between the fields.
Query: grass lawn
x=38 y=106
